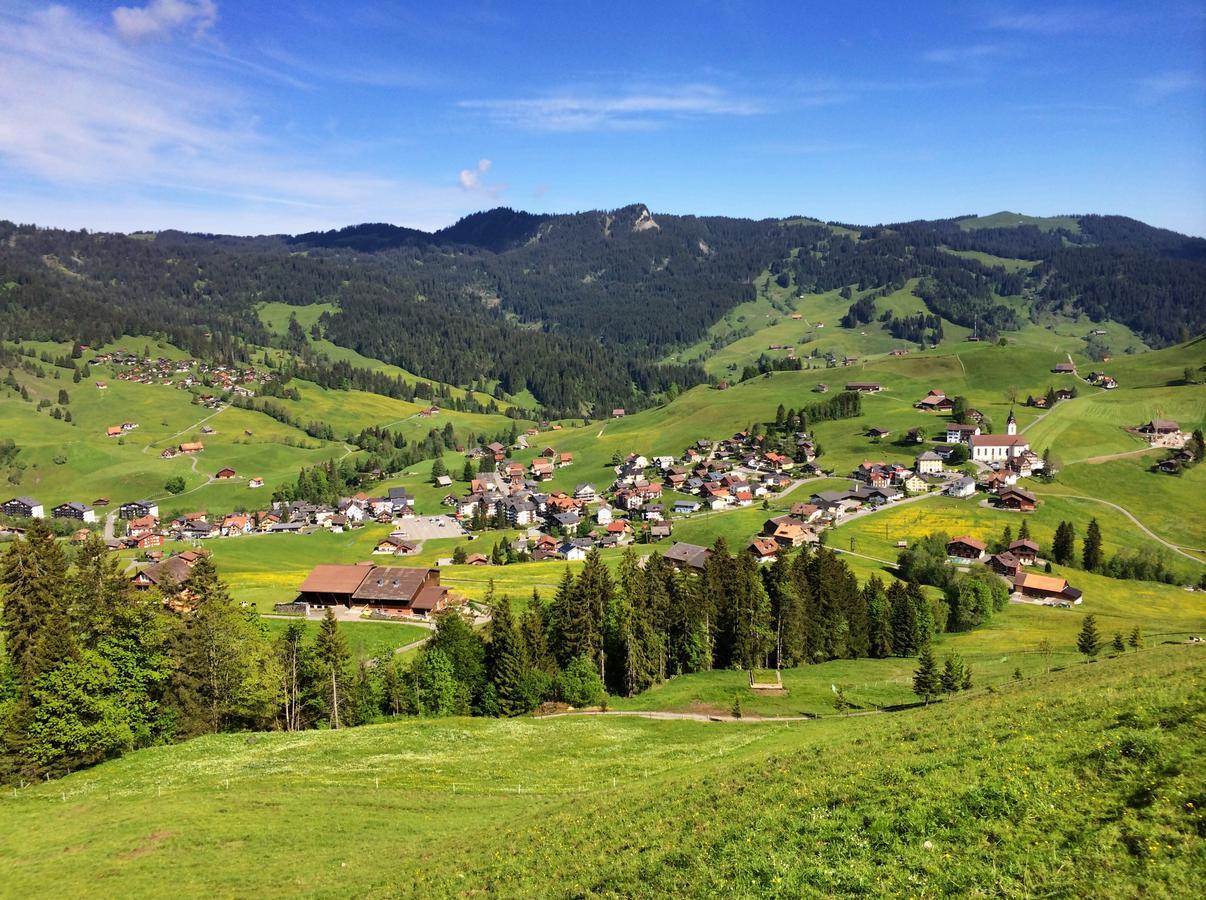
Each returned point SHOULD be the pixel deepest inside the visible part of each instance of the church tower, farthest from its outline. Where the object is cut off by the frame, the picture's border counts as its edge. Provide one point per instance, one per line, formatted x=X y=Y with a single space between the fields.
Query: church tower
x=1011 y=427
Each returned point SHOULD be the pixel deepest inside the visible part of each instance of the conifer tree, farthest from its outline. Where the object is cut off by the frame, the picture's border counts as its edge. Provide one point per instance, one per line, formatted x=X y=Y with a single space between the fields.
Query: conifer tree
x=333 y=658
x=32 y=576
x=879 y=619
x=1118 y=644
x=1024 y=531
x=926 y=680
x=906 y=638
x=1088 y=641
x=1091 y=558
x=951 y=678
x=1064 y=546
x=467 y=474
x=1136 y=638
x=505 y=661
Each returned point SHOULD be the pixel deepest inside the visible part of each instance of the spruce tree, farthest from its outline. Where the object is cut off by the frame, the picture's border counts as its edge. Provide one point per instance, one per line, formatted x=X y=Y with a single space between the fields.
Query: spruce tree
x=332 y=656
x=1091 y=558
x=32 y=580
x=1064 y=546
x=1088 y=641
x=1136 y=638
x=906 y=638
x=952 y=674
x=505 y=661
x=467 y=474
x=926 y=681
x=1118 y=644
x=1024 y=531
x=879 y=617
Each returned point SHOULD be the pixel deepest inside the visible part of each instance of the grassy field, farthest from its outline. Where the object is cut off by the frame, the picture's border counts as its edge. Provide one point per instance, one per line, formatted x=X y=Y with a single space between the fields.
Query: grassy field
x=1012 y=220
x=365 y=639
x=1083 y=782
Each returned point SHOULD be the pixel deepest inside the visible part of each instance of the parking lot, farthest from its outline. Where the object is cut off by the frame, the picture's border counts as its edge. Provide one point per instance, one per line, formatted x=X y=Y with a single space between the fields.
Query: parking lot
x=423 y=528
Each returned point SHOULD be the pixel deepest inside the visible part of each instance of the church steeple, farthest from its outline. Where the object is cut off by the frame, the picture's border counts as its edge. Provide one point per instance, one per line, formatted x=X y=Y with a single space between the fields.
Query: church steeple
x=1011 y=427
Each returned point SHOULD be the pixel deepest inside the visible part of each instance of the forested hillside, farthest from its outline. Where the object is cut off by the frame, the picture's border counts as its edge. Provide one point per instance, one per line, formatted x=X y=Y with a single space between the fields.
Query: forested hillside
x=579 y=309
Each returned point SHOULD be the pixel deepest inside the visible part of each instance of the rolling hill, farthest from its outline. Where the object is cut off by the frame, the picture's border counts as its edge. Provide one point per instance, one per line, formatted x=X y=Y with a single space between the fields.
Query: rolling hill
x=1085 y=781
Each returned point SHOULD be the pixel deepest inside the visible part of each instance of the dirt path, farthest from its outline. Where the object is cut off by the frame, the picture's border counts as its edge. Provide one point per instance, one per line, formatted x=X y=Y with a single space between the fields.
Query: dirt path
x=703 y=717
x=1098 y=460
x=186 y=430
x=109 y=520
x=1176 y=548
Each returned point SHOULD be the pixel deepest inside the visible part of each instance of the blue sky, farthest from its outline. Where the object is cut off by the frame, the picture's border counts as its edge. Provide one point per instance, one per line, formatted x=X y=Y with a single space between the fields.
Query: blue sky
x=256 y=117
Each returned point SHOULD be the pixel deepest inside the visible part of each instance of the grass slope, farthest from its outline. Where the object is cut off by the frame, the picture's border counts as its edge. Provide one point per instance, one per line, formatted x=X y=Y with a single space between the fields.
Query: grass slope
x=1082 y=782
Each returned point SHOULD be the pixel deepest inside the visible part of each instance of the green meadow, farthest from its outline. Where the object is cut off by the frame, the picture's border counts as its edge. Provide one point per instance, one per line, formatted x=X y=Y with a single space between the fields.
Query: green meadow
x=1081 y=782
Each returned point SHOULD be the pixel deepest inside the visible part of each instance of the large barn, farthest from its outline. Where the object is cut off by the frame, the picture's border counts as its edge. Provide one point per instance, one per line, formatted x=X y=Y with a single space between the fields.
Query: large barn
x=395 y=589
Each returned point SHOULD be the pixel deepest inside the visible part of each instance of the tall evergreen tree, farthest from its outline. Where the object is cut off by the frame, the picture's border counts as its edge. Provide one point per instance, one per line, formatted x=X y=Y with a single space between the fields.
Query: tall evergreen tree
x=333 y=659
x=1091 y=558
x=505 y=661
x=906 y=636
x=1063 y=548
x=879 y=619
x=1088 y=642
x=926 y=680
x=32 y=575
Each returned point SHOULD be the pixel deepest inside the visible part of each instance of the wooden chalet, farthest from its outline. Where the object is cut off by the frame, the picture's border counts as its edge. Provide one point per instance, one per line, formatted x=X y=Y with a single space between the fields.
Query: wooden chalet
x=1045 y=587
x=965 y=547
x=1017 y=499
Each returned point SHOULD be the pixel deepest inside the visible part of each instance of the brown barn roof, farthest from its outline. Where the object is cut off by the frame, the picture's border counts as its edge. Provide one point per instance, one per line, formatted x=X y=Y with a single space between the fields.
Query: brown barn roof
x=334 y=579
x=391 y=583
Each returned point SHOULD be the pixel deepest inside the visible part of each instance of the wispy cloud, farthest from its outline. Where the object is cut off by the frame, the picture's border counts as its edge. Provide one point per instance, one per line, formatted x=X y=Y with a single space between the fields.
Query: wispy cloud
x=159 y=18
x=1162 y=85
x=972 y=53
x=634 y=109
x=1055 y=20
x=88 y=112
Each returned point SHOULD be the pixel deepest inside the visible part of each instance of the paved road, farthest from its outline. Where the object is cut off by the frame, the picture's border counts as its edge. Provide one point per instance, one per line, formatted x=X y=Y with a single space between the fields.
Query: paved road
x=109 y=520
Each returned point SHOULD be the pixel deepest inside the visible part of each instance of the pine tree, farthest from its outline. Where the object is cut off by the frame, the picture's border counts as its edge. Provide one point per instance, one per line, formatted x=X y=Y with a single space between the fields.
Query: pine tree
x=879 y=616
x=906 y=638
x=467 y=474
x=438 y=469
x=1119 y=644
x=1088 y=641
x=1024 y=531
x=505 y=661
x=926 y=681
x=333 y=658
x=952 y=674
x=1006 y=539
x=1136 y=638
x=1091 y=557
x=32 y=574
x=1064 y=546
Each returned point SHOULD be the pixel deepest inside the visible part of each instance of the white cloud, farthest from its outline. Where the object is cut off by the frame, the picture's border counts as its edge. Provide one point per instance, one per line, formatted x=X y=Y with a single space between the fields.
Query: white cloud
x=96 y=132
x=160 y=18
x=1163 y=85
x=969 y=54
x=471 y=179
x=635 y=109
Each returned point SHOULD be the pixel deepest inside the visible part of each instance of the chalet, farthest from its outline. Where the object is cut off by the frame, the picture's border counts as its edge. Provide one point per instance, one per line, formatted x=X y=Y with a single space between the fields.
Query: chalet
x=568 y=520
x=142 y=525
x=687 y=556
x=961 y=434
x=685 y=507
x=144 y=541
x=935 y=401
x=660 y=531
x=1065 y=368
x=603 y=515
x=24 y=508
x=997 y=447
x=878 y=432
x=136 y=509
x=849 y=361
x=101 y=501
x=899 y=351
x=169 y=453
x=915 y=484
x=805 y=512
x=1025 y=551
x=1005 y=564
x=1045 y=587
x=572 y=552
x=585 y=493
x=191 y=447
x=864 y=387
x=764 y=550
x=965 y=548
x=113 y=431
x=1016 y=498
x=74 y=510
x=928 y=463
x=404 y=591
x=1064 y=394
x=226 y=474
x=236 y=524
x=1159 y=427
x=81 y=536
x=792 y=533
x=617 y=413
x=175 y=570
x=821 y=388
x=256 y=482
x=565 y=459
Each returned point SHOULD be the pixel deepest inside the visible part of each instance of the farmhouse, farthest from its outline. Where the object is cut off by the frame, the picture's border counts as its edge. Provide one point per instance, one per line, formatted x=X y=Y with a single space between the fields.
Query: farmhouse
x=935 y=401
x=687 y=556
x=256 y=482
x=224 y=474
x=764 y=550
x=174 y=570
x=961 y=434
x=1016 y=498
x=965 y=548
x=864 y=387
x=24 y=507
x=113 y=431
x=405 y=591
x=1025 y=550
x=1005 y=564
x=192 y=447
x=1064 y=368
x=1045 y=587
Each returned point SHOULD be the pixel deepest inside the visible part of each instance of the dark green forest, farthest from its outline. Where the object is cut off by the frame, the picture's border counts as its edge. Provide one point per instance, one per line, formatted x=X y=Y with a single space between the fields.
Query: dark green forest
x=578 y=309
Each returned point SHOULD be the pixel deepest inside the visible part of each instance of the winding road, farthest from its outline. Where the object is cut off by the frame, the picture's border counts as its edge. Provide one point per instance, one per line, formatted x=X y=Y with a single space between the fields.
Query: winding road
x=1176 y=548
